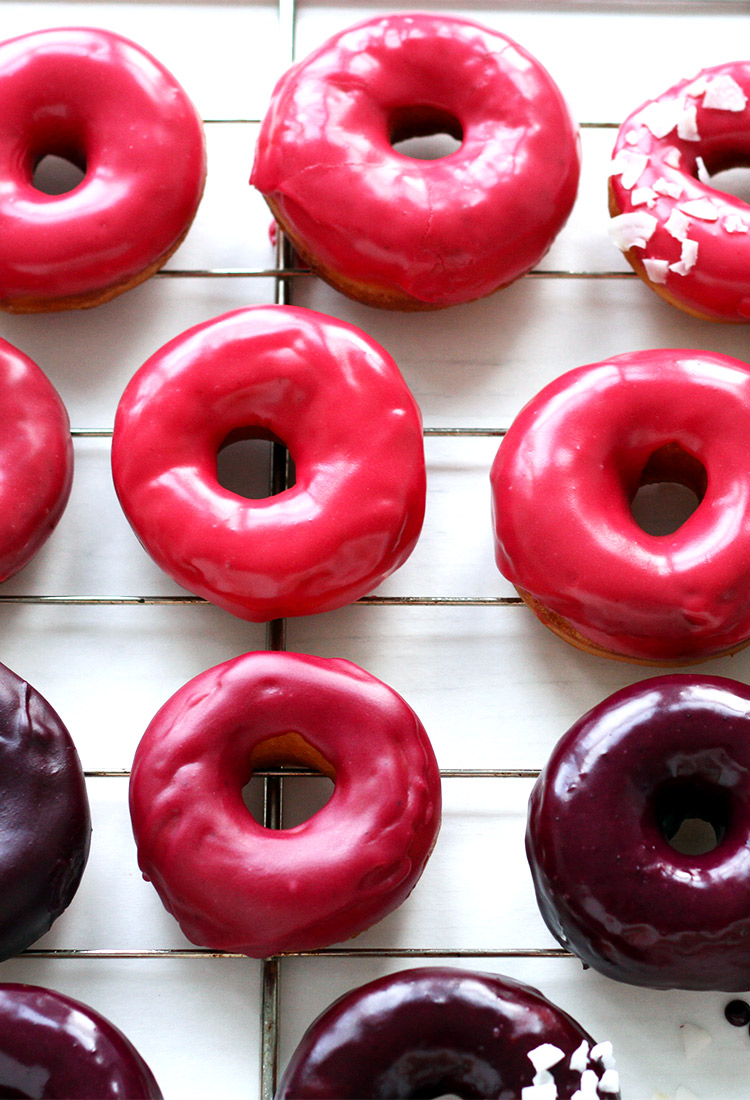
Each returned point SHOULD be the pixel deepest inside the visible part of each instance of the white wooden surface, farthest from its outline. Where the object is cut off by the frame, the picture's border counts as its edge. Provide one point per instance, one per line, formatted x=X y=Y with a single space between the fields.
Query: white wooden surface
x=494 y=689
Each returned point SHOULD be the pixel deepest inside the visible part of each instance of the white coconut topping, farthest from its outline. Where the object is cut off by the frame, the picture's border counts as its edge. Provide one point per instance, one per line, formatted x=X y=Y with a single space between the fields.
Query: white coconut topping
x=703 y=209
x=632 y=230
x=697 y=87
x=672 y=157
x=629 y=166
x=656 y=270
x=695 y=1040
x=703 y=173
x=661 y=116
x=723 y=93
x=602 y=1052
x=544 y=1056
x=733 y=223
x=643 y=196
x=668 y=187
x=539 y=1092
x=589 y=1085
x=688 y=257
x=610 y=1081
x=677 y=225
x=687 y=126
x=579 y=1059
x=632 y=137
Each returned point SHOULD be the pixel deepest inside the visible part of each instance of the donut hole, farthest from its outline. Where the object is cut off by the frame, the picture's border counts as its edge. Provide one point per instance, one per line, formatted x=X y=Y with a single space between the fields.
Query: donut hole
x=57 y=174
x=304 y=796
x=671 y=486
x=439 y=1074
x=425 y=133
x=693 y=816
x=254 y=464
x=732 y=180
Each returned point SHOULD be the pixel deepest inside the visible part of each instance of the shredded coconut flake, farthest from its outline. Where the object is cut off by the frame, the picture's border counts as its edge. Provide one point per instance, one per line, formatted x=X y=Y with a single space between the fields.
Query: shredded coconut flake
x=668 y=187
x=696 y=87
x=643 y=196
x=688 y=257
x=632 y=137
x=672 y=157
x=661 y=116
x=703 y=209
x=695 y=1039
x=632 y=230
x=703 y=174
x=687 y=126
x=733 y=223
x=539 y=1092
x=589 y=1085
x=602 y=1052
x=629 y=166
x=677 y=225
x=656 y=270
x=579 y=1059
x=545 y=1055
x=610 y=1081
x=723 y=93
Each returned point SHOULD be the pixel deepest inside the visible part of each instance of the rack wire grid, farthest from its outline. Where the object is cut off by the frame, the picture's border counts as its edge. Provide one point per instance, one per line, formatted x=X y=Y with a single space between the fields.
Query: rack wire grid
x=500 y=682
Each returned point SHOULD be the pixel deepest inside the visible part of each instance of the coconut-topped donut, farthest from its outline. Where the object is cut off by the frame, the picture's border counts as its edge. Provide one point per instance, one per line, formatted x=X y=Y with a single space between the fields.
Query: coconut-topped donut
x=406 y=233
x=688 y=241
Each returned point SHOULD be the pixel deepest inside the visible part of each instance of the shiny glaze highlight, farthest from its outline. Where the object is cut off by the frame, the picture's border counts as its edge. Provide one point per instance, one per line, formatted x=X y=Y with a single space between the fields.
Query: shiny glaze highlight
x=717 y=285
x=432 y=1031
x=36 y=459
x=45 y=828
x=563 y=481
x=609 y=885
x=103 y=103
x=55 y=1048
x=406 y=233
x=339 y=403
x=231 y=883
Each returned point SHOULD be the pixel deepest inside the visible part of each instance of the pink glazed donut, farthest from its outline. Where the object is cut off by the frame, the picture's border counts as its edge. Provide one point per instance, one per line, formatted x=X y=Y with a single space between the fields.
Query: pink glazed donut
x=354 y=431
x=234 y=885
x=403 y=233
x=106 y=105
x=687 y=241
x=563 y=481
x=36 y=459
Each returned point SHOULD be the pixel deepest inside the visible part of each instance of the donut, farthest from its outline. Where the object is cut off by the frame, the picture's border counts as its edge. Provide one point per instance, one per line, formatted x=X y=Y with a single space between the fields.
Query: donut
x=36 y=459
x=689 y=242
x=45 y=828
x=442 y=1031
x=399 y=232
x=234 y=885
x=614 y=882
x=104 y=104
x=353 y=429
x=562 y=485
x=54 y=1046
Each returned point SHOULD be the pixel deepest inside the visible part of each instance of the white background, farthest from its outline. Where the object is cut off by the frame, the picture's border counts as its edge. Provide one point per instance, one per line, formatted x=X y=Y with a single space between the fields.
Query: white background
x=494 y=689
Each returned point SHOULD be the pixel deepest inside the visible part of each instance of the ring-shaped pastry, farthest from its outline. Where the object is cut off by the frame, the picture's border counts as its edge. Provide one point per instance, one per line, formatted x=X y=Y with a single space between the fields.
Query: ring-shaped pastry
x=441 y=1031
x=45 y=828
x=687 y=240
x=614 y=793
x=587 y=442
x=406 y=233
x=338 y=402
x=235 y=885
x=103 y=103
x=36 y=459
x=53 y=1046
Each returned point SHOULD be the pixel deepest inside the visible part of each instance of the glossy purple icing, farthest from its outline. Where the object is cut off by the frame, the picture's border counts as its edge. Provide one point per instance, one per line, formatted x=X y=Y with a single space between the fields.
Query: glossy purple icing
x=45 y=827
x=432 y=1031
x=609 y=884
x=55 y=1048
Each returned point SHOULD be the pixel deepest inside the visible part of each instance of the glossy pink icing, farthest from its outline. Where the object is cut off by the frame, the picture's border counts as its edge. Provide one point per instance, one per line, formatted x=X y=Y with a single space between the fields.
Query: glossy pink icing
x=442 y=231
x=36 y=459
x=655 y=178
x=339 y=403
x=102 y=102
x=237 y=886
x=563 y=480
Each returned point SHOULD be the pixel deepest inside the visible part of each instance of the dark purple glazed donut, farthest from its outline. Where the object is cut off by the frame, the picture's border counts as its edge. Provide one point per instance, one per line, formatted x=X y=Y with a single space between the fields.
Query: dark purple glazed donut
x=45 y=827
x=440 y=1031
x=615 y=791
x=55 y=1048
